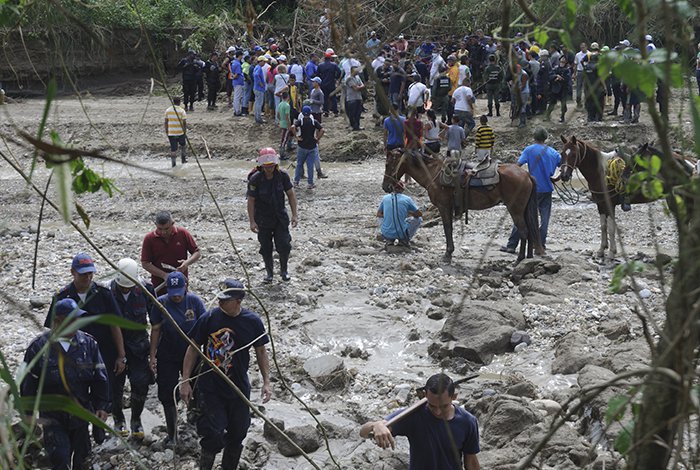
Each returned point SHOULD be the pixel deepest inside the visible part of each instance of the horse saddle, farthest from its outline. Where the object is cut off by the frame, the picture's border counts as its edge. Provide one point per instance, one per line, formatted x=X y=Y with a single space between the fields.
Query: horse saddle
x=485 y=173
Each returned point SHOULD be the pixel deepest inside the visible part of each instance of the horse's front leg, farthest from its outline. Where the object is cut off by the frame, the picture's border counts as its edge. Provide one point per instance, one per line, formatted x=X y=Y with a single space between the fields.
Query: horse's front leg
x=603 y=235
x=446 y=215
x=612 y=231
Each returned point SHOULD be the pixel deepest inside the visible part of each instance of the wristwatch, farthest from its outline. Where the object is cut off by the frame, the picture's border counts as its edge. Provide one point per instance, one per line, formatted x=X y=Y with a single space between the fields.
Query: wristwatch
x=122 y=360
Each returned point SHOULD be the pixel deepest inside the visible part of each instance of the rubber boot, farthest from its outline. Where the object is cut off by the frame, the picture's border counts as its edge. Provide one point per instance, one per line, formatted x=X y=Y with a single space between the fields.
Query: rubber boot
x=498 y=109
x=284 y=261
x=206 y=460
x=137 y=403
x=173 y=160
x=183 y=156
x=171 y=422
x=269 y=270
x=231 y=457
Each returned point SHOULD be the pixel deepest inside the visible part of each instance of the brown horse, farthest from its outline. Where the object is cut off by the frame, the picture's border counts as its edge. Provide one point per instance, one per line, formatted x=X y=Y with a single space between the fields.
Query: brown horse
x=581 y=155
x=516 y=190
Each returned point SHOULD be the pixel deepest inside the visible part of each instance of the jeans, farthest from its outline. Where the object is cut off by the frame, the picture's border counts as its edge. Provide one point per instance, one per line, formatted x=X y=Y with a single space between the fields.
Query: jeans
x=544 y=206
x=330 y=103
x=354 y=110
x=237 y=99
x=65 y=442
x=579 y=86
x=697 y=77
x=466 y=120
x=414 y=224
x=223 y=422
x=259 y=99
x=247 y=93
x=309 y=157
x=278 y=99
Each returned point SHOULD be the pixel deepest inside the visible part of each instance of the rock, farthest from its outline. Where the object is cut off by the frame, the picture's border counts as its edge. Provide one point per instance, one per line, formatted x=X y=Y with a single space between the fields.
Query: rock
x=627 y=356
x=484 y=292
x=519 y=348
x=548 y=407
x=506 y=418
x=480 y=329
x=573 y=352
x=307 y=437
x=327 y=372
x=413 y=335
x=302 y=299
x=339 y=428
x=614 y=329
x=539 y=286
x=311 y=261
x=519 y=337
x=168 y=454
x=662 y=259
x=535 y=267
x=523 y=389
x=36 y=301
x=436 y=313
x=401 y=393
x=645 y=293
x=270 y=433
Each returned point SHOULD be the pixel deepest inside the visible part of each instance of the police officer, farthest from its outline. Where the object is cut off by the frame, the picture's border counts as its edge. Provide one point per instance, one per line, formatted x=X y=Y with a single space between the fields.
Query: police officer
x=266 y=210
x=94 y=299
x=227 y=332
x=66 y=437
x=167 y=346
x=134 y=305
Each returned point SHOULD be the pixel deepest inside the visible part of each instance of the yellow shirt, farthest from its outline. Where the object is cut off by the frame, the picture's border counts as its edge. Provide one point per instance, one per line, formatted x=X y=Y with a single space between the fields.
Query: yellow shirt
x=293 y=96
x=453 y=73
x=174 y=115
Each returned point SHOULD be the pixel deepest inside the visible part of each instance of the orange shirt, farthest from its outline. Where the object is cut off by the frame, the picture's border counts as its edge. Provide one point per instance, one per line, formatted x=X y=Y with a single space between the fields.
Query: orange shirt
x=453 y=73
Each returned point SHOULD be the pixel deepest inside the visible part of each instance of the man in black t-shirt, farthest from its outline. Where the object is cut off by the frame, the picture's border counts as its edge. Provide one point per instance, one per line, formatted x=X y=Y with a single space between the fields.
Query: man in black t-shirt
x=226 y=333
x=308 y=132
x=266 y=210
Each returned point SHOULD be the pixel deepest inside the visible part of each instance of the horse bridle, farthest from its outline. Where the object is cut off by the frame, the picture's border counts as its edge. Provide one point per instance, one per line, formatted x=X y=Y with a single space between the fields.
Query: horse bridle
x=580 y=150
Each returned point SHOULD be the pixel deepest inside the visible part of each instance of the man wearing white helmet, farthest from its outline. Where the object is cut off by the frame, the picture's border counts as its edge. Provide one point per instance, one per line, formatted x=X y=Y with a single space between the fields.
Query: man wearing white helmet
x=266 y=211
x=128 y=292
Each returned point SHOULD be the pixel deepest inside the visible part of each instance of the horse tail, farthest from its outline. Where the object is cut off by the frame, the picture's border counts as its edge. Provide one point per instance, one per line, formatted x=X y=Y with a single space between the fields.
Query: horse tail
x=532 y=220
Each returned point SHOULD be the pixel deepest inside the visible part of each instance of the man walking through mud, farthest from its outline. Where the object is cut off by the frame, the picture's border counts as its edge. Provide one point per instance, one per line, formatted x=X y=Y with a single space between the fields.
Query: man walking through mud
x=442 y=436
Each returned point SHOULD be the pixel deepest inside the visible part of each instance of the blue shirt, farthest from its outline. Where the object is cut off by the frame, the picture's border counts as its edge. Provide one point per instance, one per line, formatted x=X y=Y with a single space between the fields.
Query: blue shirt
x=310 y=72
x=395 y=207
x=172 y=346
x=258 y=79
x=431 y=444
x=394 y=129
x=227 y=341
x=237 y=69
x=542 y=160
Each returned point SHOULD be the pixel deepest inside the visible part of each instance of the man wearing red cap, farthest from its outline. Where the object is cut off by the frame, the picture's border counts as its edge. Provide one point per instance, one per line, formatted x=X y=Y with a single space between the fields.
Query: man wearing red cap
x=266 y=211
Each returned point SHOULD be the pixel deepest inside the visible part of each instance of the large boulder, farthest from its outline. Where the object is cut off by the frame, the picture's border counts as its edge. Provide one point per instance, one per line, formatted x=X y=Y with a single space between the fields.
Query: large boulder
x=327 y=372
x=307 y=437
x=480 y=330
x=573 y=352
x=507 y=416
x=627 y=356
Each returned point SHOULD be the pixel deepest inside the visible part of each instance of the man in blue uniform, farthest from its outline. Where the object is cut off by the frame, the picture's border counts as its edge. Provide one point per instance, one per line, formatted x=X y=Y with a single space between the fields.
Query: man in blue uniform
x=167 y=346
x=542 y=161
x=266 y=210
x=442 y=436
x=134 y=305
x=226 y=333
x=94 y=299
x=399 y=217
x=66 y=437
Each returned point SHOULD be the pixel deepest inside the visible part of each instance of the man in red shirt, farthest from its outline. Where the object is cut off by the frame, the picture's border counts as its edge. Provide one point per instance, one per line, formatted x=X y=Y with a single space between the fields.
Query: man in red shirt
x=167 y=249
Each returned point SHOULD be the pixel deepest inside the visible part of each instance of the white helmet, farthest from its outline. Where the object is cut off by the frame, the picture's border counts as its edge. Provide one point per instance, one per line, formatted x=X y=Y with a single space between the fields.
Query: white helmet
x=127 y=266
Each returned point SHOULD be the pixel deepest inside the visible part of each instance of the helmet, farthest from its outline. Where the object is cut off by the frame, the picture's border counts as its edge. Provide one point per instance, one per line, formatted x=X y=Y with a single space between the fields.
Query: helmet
x=273 y=47
x=268 y=156
x=535 y=49
x=127 y=266
x=330 y=51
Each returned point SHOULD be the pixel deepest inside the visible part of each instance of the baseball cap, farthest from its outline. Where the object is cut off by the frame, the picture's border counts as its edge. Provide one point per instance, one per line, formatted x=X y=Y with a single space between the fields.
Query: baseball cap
x=176 y=284
x=625 y=43
x=595 y=46
x=648 y=37
x=282 y=58
x=230 y=49
x=83 y=263
x=306 y=110
x=231 y=289
x=67 y=308
x=317 y=79
x=257 y=48
x=262 y=59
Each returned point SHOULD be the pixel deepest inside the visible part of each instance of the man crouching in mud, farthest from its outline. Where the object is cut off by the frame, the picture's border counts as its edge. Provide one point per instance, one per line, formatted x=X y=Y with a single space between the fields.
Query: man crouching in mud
x=442 y=436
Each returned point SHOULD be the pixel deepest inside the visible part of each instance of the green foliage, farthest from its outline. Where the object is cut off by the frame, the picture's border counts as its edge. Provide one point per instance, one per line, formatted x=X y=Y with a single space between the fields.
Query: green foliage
x=617 y=408
x=621 y=271
x=647 y=178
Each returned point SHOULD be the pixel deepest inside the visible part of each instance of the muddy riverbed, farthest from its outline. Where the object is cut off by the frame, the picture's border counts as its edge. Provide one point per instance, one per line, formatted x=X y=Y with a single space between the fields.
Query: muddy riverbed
x=382 y=313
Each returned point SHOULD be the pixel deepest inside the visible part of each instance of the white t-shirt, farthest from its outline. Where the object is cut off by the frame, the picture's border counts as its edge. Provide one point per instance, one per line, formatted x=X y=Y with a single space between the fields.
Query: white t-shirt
x=298 y=72
x=348 y=64
x=378 y=62
x=281 y=81
x=463 y=97
x=464 y=72
x=416 y=94
x=578 y=60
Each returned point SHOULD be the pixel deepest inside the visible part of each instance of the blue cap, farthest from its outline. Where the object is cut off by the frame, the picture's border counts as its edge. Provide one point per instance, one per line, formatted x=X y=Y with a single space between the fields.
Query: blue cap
x=306 y=110
x=257 y=48
x=176 y=284
x=231 y=289
x=67 y=308
x=83 y=263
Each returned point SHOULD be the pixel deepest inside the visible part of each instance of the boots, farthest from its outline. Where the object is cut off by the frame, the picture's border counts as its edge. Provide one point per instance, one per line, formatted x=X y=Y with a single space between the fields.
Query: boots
x=523 y=120
x=137 y=403
x=171 y=423
x=183 y=157
x=231 y=457
x=268 y=269
x=206 y=460
x=498 y=110
x=118 y=414
x=173 y=160
x=284 y=260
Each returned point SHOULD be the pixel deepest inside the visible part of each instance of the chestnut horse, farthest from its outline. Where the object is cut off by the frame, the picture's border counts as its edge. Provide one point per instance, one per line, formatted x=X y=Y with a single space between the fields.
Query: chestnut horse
x=581 y=155
x=516 y=190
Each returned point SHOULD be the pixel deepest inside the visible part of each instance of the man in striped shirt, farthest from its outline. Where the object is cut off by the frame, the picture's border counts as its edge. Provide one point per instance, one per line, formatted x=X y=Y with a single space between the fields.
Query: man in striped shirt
x=484 y=139
x=175 y=128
